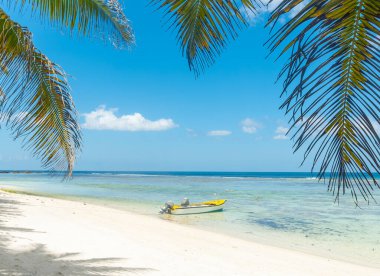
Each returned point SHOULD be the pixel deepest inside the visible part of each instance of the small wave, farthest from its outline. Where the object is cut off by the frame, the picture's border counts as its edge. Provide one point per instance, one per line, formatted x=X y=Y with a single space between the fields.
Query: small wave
x=137 y=174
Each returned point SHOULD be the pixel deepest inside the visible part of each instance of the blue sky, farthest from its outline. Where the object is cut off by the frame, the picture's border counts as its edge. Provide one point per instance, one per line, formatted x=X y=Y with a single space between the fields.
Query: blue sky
x=157 y=115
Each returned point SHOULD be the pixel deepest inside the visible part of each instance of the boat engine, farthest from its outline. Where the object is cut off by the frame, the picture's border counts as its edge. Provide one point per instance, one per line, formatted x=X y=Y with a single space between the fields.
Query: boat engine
x=167 y=209
x=185 y=202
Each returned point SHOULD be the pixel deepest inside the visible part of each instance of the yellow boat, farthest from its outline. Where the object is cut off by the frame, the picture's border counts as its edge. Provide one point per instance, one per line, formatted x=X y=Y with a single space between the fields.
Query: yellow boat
x=195 y=208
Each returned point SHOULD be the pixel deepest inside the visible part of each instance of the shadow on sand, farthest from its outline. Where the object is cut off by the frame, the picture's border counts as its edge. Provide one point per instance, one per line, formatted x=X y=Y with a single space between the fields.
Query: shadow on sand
x=33 y=261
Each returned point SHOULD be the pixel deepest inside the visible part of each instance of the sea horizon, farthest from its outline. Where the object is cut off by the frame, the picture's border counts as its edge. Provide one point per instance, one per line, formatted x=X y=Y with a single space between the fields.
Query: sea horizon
x=216 y=173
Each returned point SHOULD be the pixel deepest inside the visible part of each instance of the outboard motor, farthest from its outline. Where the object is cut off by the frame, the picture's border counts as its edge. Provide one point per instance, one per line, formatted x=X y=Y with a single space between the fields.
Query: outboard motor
x=185 y=202
x=167 y=209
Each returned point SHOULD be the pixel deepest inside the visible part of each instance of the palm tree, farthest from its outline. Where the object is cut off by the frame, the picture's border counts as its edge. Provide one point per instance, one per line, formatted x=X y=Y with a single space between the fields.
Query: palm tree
x=331 y=80
x=35 y=100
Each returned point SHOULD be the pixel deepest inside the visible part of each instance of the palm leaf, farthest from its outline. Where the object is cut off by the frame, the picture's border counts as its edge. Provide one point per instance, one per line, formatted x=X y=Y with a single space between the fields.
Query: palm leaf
x=204 y=27
x=102 y=18
x=36 y=101
x=332 y=88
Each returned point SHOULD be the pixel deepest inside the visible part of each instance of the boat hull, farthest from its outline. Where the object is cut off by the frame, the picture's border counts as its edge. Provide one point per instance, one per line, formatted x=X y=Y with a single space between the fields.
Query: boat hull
x=197 y=210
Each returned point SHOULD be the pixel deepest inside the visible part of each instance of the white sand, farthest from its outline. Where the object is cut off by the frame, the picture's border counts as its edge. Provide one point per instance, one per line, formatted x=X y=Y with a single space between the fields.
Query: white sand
x=44 y=236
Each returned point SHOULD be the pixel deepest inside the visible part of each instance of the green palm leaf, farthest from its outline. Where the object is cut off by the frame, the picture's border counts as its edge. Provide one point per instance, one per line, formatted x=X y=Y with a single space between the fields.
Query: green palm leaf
x=36 y=101
x=205 y=26
x=332 y=88
x=104 y=18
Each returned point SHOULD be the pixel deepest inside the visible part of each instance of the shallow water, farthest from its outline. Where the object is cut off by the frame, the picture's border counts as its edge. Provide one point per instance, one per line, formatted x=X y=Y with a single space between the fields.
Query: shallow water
x=290 y=210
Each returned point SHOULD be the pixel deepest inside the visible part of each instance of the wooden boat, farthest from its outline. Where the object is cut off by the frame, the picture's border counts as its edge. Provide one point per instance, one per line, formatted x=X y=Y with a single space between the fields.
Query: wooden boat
x=194 y=208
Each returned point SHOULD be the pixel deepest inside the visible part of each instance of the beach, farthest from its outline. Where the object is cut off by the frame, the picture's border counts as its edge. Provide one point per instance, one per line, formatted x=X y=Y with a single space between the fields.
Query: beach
x=192 y=138
x=49 y=236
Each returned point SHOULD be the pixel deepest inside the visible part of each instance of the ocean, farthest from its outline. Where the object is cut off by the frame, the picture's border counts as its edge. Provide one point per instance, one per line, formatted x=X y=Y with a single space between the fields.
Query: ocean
x=289 y=210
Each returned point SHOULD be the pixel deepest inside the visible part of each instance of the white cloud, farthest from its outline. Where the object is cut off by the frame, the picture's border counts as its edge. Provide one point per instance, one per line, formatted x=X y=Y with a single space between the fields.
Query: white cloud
x=219 y=133
x=267 y=7
x=191 y=132
x=250 y=16
x=254 y=16
x=272 y=5
x=376 y=126
x=281 y=133
x=105 y=119
x=248 y=125
x=376 y=42
x=19 y=116
x=297 y=9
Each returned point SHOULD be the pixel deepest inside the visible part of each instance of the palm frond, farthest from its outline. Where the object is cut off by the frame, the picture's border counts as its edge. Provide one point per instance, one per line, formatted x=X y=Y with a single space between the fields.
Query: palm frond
x=36 y=102
x=332 y=88
x=204 y=27
x=100 y=18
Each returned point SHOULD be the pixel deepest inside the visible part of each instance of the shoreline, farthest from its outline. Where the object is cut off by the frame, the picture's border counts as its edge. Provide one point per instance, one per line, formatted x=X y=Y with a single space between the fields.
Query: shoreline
x=48 y=236
x=276 y=240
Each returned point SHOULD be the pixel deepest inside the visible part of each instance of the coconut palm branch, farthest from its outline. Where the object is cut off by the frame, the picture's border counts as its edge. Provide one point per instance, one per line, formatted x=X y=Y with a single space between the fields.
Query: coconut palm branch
x=205 y=27
x=332 y=88
x=35 y=100
x=95 y=18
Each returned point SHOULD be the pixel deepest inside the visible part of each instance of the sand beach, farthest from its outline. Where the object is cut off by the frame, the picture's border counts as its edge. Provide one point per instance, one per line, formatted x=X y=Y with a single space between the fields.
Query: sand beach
x=48 y=236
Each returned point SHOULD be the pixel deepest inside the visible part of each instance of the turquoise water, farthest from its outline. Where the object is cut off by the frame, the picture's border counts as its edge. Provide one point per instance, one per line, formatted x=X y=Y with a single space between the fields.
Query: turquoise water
x=290 y=210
